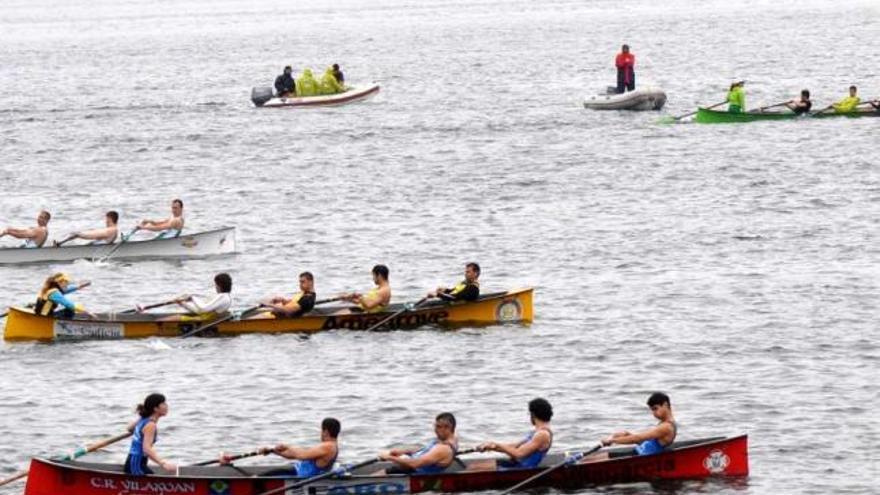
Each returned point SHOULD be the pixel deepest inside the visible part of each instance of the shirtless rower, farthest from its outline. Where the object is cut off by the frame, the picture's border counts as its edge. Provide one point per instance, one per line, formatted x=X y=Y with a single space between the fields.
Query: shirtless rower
x=434 y=457
x=530 y=451
x=653 y=440
x=169 y=227
x=299 y=304
x=34 y=237
x=467 y=290
x=107 y=235
x=308 y=461
x=376 y=299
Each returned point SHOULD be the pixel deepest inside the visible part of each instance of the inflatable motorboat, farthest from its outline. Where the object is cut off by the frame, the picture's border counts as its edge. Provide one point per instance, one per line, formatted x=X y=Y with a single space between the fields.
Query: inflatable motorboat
x=640 y=99
x=264 y=97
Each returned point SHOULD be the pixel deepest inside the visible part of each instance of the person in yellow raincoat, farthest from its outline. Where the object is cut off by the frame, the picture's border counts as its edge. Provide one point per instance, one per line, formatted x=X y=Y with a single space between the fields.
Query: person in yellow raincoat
x=306 y=85
x=849 y=103
x=329 y=84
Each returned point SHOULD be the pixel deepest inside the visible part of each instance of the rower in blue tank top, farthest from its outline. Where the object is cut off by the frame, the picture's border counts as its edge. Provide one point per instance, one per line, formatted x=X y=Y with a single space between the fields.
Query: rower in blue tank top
x=435 y=457
x=144 y=435
x=653 y=440
x=307 y=461
x=530 y=451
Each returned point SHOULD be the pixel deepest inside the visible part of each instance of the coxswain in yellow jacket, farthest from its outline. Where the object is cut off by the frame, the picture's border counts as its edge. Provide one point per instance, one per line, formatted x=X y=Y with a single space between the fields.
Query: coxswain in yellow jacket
x=736 y=98
x=306 y=85
x=329 y=84
x=52 y=295
x=849 y=103
x=467 y=290
x=376 y=299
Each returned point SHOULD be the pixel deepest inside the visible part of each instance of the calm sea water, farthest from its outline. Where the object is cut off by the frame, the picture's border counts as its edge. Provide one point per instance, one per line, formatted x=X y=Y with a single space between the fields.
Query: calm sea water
x=735 y=267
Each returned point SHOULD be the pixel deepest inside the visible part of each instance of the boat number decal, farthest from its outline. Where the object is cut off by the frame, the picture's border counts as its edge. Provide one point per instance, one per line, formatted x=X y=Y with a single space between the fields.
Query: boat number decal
x=189 y=242
x=509 y=311
x=362 y=322
x=67 y=329
x=134 y=486
x=358 y=488
x=218 y=487
x=716 y=462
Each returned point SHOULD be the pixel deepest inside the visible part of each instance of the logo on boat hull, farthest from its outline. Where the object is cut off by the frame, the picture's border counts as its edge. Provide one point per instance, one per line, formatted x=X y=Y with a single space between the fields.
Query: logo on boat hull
x=716 y=462
x=218 y=487
x=189 y=242
x=510 y=310
x=75 y=330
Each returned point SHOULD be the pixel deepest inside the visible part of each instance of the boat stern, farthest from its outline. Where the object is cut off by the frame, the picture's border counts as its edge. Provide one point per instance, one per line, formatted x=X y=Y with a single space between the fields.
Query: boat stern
x=23 y=324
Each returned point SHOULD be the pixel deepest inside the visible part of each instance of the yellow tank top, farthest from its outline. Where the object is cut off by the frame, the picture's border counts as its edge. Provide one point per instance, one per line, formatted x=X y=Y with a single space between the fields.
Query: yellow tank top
x=372 y=294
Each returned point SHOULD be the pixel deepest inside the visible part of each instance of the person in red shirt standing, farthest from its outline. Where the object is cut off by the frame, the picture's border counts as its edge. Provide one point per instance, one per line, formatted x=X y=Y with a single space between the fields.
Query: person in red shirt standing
x=626 y=75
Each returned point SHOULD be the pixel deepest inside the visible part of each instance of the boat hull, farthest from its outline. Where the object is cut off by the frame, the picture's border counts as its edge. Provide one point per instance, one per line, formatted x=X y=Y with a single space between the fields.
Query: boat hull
x=506 y=307
x=355 y=93
x=698 y=459
x=706 y=116
x=214 y=242
x=640 y=99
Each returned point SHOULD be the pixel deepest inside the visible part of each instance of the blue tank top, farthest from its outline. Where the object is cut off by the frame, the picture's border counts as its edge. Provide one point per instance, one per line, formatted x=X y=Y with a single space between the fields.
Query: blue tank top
x=309 y=467
x=434 y=468
x=137 y=437
x=653 y=446
x=532 y=460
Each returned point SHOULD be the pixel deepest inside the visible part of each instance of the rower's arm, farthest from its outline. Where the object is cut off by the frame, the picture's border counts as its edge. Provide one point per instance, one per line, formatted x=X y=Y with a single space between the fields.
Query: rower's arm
x=58 y=298
x=97 y=234
x=304 y=453
x=436 y=455
x=382 y=298
x=27 y=233
x=521 y=450
x=657 y=432
x=156 y=225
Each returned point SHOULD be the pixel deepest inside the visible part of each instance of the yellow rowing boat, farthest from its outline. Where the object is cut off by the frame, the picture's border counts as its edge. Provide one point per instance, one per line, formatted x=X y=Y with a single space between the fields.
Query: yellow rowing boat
x=513 y=306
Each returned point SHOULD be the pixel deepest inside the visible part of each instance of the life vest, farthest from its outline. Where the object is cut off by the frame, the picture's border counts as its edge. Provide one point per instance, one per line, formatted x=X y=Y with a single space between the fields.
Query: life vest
x=462 y=286
x=45 y=306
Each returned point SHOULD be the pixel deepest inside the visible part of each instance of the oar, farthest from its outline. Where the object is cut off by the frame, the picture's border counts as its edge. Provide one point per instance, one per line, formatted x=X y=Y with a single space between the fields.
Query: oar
x=329 y=474
x=406 y=307
x=233 y=458
x=73 y=455
x=568 y=460
x=66 y=240
x=669 y=120
x=119 y=245
x=829 y=107
x=139 y=308
x=761 y=109
x=218 y=321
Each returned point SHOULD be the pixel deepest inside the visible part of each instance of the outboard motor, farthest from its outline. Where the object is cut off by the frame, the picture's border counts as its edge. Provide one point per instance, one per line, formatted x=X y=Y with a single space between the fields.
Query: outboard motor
x=261 y=95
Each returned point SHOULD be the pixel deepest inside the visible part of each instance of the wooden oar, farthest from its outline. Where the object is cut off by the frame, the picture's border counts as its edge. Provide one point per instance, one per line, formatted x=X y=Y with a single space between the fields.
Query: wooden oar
x=676 y=119
x=66 y=240
x=139 y=308
x=829 y=107
x=406 y=307
x=568 y=460
x=232 y=458
x=122 y=241
x=73 y=455
x=761 y=109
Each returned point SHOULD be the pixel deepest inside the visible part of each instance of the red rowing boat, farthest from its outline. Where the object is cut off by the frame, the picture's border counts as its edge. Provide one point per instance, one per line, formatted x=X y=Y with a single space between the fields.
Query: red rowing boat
x=694 y=459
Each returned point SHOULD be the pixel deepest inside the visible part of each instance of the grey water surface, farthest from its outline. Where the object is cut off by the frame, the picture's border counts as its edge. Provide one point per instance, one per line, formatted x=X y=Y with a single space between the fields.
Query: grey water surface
x=734 y=267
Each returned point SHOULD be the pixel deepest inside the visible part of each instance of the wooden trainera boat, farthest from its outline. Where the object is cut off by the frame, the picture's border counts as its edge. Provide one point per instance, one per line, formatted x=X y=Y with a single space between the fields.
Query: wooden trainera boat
x=706 y=116
x=695 y=459
x=262 y=97
x=212 y=242
x=640 y=99
x=502 y=307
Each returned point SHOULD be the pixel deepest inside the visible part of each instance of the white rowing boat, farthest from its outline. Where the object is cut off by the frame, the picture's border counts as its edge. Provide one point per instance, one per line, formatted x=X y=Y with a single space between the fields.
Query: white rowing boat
x=262 y=97
x=212 y=242
x=640 y=99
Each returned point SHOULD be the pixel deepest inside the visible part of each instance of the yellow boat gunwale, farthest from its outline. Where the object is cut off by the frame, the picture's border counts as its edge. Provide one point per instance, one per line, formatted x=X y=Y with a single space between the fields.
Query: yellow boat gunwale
x=514 y=306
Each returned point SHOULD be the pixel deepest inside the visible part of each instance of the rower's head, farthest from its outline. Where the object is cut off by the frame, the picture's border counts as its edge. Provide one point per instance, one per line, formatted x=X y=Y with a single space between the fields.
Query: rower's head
x=380 y=274
x=444 y=426
x=153 y=404
x=471 y=272
x=330 y=428
x=223 y=283
x=111 y=218
x=805 y=94
x=306 y=282
x=177 y=207
x=43 y=218
x=57 y=281
x=625 y=48
x=541 y=410
x=853 y=90
x=287 y=69
x=336 y=67
x=660 y=405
